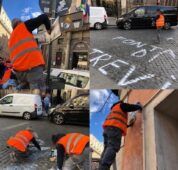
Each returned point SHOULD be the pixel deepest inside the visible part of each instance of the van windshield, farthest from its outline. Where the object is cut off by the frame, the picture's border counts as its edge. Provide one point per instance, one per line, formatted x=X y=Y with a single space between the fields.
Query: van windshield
x=74 y=79
x=129 y=12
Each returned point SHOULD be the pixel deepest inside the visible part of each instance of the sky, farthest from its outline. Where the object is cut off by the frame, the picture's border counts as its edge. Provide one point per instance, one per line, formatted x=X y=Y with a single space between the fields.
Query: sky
x=23 y=9
x=100 y=104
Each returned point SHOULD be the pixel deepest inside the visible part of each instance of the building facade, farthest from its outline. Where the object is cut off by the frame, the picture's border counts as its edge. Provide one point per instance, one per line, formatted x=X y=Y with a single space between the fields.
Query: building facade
x=152 y=142
x=70 y=50
x=5 y=31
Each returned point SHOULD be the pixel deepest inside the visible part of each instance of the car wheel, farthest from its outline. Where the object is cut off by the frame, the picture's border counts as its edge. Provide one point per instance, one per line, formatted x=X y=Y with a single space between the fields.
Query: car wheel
x=98 y=26
x=167 y=26
x=27 y=116
x=58 y=118
x=127 y=25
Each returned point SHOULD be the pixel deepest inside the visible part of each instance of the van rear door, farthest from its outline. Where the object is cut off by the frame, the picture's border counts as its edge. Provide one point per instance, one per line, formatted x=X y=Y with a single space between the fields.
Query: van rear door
x=151 y=16
x=96 y=16
x=38 y=105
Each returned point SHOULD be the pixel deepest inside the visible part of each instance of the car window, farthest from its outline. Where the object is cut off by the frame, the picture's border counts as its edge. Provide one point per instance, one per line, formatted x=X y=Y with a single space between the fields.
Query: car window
x=169 y=10
x=62 y=75
x=81 y=101
x=140 y=12
x=151 y=11
x=82 y=81
x=7 y=100
x=71 y=79
x=75 y=80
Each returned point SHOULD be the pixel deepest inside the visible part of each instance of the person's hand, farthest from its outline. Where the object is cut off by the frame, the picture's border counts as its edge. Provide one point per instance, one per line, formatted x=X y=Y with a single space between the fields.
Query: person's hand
x=49 y=32
x=141 y=107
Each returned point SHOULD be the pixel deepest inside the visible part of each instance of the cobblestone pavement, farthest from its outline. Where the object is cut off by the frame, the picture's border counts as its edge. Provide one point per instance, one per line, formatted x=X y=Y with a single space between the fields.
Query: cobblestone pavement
x=38 y=160
x=133 y=59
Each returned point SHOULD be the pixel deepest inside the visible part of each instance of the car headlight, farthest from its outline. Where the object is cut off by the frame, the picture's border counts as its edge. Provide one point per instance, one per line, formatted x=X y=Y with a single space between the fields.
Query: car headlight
x=51 y=110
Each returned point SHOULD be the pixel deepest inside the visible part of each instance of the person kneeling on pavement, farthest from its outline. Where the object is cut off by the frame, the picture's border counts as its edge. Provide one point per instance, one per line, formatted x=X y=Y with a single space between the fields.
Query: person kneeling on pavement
x=76 y=147
x=19 y=143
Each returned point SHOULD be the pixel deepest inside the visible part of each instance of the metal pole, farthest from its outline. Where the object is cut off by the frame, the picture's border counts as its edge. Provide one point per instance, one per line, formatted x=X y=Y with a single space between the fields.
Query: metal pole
x=0 y=5
x=53 y=8
x=49 y=64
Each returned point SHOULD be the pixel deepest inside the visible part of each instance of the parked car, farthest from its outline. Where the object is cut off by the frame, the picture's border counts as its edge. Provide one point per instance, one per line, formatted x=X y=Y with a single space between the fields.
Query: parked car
x=75 y=110
x=144 y=17
x=78 y=79
x=98 y=18
x=27 y=106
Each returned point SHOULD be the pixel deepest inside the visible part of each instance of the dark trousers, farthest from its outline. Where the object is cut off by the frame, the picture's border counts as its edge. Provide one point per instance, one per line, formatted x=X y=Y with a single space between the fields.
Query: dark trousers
x=112 y=141
x=159 y=34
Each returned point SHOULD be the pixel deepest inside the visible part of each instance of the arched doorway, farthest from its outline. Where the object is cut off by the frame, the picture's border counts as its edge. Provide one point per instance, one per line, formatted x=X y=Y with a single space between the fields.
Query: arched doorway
x=80 y=56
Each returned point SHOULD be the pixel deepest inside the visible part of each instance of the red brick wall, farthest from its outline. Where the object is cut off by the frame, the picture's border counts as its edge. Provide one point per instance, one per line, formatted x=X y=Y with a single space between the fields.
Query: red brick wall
x=133 y=149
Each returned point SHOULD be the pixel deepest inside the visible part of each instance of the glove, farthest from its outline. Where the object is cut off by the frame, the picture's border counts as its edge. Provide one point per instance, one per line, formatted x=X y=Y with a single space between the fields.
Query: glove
x=138 y=103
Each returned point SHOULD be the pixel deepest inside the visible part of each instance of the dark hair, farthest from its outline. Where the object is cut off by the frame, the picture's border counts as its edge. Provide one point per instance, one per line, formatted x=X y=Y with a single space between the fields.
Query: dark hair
x=56 y=137
x=158 y=10
x=15 y=22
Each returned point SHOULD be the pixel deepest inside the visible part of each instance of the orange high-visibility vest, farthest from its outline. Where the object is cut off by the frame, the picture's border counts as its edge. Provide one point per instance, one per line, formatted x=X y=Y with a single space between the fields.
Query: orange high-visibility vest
x=160 y=21
x=117 y=118
x=6 y=76
x=74 y=143
x=21 y=140
x=24 y=51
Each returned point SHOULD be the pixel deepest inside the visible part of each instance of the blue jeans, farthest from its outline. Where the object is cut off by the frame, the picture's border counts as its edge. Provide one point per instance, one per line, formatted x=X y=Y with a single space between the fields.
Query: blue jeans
x=10 y=82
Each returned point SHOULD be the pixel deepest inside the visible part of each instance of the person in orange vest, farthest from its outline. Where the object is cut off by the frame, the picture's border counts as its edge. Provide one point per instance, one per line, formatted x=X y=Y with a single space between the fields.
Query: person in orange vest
x=25 y=55
x=74 y=145
x=9 y=78
x=160 y=22
x=19 y=143
x=115 y=126
x=2 y=67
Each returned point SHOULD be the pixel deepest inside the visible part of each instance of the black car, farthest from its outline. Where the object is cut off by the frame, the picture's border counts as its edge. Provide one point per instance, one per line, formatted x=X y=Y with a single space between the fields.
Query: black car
x=144 y=17
x=75 y=110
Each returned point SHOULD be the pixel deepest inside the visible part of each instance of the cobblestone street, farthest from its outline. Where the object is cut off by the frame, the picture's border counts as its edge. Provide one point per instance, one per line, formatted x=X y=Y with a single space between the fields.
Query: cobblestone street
x=37 y=160
x=133 y=59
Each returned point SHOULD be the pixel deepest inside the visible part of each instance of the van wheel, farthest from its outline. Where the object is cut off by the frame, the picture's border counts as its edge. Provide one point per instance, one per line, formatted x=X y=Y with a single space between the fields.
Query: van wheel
x=127 y=26
x=167 y=26
x=58 y=119
x=27 y=116
x=98 y=26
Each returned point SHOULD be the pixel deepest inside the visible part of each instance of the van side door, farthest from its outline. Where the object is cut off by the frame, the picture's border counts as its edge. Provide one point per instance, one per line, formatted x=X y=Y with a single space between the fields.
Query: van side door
x=138 y=17
x=151 y=16
x=7 y=106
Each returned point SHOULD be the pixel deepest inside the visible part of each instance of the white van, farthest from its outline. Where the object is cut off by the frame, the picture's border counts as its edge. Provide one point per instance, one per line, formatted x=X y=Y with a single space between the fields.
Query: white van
x=27 y=106
x=75 y=79
x=98 y=18
x=78 y=79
